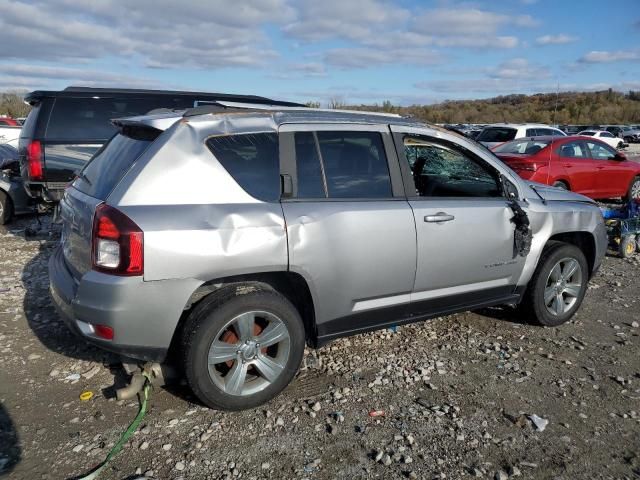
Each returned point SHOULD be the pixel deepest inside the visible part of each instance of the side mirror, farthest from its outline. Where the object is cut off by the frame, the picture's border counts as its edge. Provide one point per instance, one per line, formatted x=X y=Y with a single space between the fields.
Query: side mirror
x=620 y=156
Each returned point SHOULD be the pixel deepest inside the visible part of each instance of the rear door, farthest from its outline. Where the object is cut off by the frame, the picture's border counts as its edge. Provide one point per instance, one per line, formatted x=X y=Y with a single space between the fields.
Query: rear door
x=350 y=230
x=465 y=235
x=574 y=159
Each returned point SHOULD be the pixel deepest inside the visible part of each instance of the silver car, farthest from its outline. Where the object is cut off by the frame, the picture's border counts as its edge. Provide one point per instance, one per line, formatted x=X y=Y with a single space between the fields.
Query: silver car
x=229 y=236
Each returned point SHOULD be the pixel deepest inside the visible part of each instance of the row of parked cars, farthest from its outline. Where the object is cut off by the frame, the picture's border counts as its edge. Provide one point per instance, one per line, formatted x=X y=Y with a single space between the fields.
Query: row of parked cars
x=616 y=135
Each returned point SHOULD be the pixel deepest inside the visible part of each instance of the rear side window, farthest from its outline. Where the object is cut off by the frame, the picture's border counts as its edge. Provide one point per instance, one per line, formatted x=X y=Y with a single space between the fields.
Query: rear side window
x=252 y=160
x=107 y=167
x=524 y=146
x=355 y=165
x=309 y=171
x=497 y=134
x=85 y=119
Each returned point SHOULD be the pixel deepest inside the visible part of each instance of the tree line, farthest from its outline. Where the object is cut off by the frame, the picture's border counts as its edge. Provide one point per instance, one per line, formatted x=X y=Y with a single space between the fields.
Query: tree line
x=582 y=108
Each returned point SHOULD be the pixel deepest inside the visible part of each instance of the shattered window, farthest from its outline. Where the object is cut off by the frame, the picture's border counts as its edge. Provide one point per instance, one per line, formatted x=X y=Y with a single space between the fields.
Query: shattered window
x=443 y=172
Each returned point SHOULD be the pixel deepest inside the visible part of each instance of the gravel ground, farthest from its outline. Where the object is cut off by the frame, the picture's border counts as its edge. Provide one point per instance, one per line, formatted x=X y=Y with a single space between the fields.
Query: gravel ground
x=459 y=397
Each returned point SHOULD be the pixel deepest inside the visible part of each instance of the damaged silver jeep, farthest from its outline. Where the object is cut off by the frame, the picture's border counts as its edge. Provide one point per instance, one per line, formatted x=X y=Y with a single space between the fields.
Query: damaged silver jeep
x=226 y=237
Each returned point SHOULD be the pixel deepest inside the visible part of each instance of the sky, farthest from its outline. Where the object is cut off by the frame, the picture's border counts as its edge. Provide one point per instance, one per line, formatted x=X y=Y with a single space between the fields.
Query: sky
x=351 y=51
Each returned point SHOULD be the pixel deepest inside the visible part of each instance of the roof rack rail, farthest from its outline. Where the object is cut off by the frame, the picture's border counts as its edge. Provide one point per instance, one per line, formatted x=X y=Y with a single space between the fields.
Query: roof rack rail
x=220 y=106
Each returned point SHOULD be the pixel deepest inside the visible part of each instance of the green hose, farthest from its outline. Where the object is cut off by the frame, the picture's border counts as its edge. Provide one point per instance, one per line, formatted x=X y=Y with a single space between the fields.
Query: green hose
x=125 y=436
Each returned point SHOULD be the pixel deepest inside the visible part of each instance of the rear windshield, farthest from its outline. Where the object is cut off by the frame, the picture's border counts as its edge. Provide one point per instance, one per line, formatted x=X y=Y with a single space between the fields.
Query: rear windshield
x=524 y=146
x=85 y=119
x=497 y=134
x=29 y=125
x=107 y=167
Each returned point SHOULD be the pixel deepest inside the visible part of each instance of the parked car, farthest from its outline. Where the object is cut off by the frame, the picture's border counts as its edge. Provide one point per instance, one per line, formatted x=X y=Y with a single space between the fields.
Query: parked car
x=232 y=238
x=13 y=198
x=8 y=122
x=9 y=134
x=615 y=130
x=493 y=135
x=65 y=128
x=584 y=165
x=631 y=134
x=604 y=136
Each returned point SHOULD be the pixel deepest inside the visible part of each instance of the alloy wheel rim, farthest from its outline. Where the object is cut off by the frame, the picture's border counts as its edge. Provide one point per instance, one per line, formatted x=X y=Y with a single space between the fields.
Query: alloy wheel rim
x=249 y=353
x=635 y=190
x=1 y=210
x=563 y=286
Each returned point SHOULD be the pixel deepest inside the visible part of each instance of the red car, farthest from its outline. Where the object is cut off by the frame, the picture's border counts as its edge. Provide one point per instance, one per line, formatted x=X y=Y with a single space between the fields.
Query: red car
x=8 y=122
x=580 y=164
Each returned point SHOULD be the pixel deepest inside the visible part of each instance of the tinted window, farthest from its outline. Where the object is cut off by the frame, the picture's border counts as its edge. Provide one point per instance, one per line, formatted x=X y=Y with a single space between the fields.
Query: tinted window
x=310 y=183
x=442 y=172
x=524 y=146
x=601 y=152
x=355 y=164
x=103 y=172
x=90 y=118
x=532 y=132
x=557 y=133
x=252 y=160
x=587 y=133
x=573 y=150
x=497 y=134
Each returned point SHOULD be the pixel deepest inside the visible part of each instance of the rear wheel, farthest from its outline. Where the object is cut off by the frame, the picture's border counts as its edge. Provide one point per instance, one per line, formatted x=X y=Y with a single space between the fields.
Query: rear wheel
x=6 y=208
x=634 y=190
x=561 y=185
x=242 y=348
x=558 y=285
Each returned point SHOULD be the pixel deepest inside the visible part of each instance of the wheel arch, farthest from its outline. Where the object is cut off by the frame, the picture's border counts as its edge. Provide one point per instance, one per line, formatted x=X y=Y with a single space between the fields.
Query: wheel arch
x=585 y=241
x=289 y=284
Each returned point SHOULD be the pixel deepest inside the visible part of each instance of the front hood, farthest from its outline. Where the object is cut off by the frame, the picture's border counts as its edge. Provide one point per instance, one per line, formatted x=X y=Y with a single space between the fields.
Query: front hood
x=550 y=193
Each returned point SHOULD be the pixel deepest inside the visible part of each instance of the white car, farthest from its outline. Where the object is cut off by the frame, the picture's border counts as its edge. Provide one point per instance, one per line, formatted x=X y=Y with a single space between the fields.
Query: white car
x=607 y=137
x=9 y=135
x=498 y=133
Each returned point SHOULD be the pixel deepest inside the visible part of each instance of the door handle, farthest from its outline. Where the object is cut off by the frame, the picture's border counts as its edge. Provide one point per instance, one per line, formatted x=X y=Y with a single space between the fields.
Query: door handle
x=439 y=217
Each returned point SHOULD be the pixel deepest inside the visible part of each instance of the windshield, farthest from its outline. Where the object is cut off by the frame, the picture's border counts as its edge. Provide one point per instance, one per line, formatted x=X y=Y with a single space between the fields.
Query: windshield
x=497 y=134
x=523 y=146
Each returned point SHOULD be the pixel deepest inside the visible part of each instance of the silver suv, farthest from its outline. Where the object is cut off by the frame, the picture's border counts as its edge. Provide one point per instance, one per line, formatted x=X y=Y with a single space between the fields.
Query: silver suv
x=226 y=237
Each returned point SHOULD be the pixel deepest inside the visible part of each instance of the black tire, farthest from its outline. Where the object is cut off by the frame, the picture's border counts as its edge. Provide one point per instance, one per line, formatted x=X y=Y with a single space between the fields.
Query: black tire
x=6 y=208
x=533 y=304
x=627 y=246
x=635 y=186
x=561 y=185
x=620 y=145
x=207 y=321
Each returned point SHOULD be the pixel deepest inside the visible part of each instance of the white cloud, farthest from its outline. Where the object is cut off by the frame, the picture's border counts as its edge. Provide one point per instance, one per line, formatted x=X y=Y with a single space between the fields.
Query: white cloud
x=347 y=19
x=560 y=39
x=160 y=33
x=597 y=56
x=371 y=57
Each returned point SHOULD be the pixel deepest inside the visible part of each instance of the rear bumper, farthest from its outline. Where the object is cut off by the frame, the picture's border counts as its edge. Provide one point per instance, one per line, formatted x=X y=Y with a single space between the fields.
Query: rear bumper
x=143 y=315
x=51 y=193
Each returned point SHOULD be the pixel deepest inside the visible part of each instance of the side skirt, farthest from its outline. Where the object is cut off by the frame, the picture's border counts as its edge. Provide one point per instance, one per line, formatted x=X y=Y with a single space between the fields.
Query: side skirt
x=377 y=319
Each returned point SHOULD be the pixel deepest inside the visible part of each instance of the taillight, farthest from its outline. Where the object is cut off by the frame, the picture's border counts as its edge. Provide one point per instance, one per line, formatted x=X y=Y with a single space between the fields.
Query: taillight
x=34 y=160
x=117 y=243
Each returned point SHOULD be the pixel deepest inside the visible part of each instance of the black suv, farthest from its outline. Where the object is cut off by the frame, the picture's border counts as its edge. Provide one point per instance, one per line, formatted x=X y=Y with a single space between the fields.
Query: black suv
x=65 y=128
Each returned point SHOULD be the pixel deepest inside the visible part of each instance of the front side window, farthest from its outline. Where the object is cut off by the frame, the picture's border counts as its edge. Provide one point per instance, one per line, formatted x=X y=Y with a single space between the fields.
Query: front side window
x=606 y=135
x=355 y=164
x=573 y=150
x=252 y=160
x=439 y=171
x=601 y=152
x=309 y=170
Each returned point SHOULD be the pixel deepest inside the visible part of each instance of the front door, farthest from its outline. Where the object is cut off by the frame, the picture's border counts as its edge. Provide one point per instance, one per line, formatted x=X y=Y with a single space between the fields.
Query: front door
x=611 y=177
x=466 y=250
x=350 y=230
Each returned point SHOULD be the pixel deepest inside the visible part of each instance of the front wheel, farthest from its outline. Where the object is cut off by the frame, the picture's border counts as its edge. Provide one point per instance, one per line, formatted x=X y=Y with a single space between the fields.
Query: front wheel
x=558 y=285
x=243 y=348
x=627 y=246
x=561 y=185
